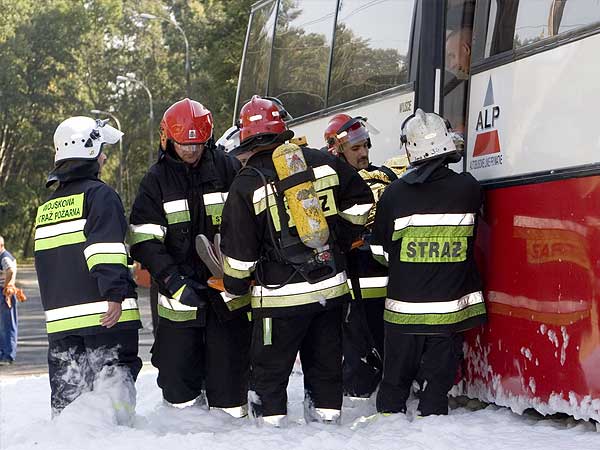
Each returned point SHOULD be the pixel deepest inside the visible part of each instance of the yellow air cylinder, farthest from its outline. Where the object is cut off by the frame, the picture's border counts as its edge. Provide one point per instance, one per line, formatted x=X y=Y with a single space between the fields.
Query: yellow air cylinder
x=303 y=202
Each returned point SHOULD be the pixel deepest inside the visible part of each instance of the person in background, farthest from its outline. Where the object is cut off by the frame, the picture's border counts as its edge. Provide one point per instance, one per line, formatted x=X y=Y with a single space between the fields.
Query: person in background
x=8 y=306
x=458 y=68
x=348 y=138
x=458 y=52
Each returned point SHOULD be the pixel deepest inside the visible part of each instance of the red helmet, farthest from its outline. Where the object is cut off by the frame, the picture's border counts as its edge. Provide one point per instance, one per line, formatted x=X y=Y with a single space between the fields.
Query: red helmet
x=264 y=117
x=186 y=122
x=343 y=131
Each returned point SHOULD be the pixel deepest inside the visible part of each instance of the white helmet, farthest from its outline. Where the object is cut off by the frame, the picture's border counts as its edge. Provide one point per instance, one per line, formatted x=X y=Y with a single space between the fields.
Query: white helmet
x=230 y=139
x=426 y=136
x=82 y=137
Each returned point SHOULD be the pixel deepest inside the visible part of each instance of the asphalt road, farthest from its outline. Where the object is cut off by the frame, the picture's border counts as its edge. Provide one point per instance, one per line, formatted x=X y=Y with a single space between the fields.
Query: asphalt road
x=32 y=345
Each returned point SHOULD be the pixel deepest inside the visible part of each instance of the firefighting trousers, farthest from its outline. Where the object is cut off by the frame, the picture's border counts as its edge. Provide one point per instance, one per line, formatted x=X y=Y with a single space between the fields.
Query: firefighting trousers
x=214 y=358
x=275 y=344
x=430 y=360
x=363 y=347
x=78 y=364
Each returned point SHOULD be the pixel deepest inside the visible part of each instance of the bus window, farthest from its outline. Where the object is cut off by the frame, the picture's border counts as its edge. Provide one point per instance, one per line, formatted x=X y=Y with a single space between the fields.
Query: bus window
x=576 y=14
x=516 y=24
x=459 y=35
x=256 y=59
x=301 y=52
x=369 y=59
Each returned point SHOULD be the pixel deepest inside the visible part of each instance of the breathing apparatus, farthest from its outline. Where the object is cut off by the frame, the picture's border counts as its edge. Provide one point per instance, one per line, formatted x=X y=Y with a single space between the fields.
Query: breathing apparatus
x=308 y=249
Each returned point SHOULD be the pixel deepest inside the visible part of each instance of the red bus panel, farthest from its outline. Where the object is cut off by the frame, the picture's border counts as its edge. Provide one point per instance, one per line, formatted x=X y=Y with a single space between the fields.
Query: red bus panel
x=539 y=253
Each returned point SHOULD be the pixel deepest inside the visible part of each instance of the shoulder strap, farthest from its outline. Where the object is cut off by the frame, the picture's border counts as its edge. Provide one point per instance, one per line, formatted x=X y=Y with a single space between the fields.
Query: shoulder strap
x=389 y=172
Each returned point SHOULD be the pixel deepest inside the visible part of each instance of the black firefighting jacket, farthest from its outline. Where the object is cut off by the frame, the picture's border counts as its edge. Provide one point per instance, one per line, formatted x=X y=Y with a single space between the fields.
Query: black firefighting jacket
x=248 y=236
x=367 y=278
x=428 y=241
x=80 y=256
x=175 y=203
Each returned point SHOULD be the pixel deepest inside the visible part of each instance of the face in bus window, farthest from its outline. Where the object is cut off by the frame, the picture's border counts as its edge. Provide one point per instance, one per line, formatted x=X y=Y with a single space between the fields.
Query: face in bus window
x=358 y=155
x=458 y=53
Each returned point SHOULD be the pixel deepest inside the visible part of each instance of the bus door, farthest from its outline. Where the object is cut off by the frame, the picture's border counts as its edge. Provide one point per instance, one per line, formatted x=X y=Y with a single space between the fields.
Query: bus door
x=533 y=141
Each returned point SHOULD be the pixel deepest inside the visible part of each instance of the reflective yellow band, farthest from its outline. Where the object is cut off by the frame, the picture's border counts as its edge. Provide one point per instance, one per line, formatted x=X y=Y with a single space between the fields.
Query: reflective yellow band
x=434 y=313
x=368 y=293
x=146 y=232
x=213 y=204
x=432 y=220
x=173 y=310
x=59 y=241
x=234 y=303
x=214 y=198
x=379 y=254
x=106 y=258
x=105 y=253
x=177 y=211
x=434 y=231
x=178 y=217
x=267 y=331
x=86 y=309
x=77 y=323
x=295 y=294
x=236 y=272
x=357 y=214
x=371 y=287
x=71 y=226
x=176 y=316
x=434 y=319
x=87 y=315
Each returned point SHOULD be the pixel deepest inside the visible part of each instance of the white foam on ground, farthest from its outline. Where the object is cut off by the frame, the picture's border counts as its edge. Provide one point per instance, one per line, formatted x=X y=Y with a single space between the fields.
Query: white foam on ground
x=88 y=423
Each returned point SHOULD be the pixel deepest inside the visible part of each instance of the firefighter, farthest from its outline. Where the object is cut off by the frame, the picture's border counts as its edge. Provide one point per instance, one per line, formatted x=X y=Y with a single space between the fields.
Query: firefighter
x=348 y=138
x=89 y=297
x=425 y=230
x=297 y=293
x=201 y=344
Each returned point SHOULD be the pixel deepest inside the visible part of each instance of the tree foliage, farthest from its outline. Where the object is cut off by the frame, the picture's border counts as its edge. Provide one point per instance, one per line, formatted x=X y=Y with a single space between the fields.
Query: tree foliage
x=61 y=58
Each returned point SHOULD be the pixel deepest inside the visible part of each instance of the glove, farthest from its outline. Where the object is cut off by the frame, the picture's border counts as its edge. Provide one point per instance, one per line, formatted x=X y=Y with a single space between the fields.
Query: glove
x=187 y=291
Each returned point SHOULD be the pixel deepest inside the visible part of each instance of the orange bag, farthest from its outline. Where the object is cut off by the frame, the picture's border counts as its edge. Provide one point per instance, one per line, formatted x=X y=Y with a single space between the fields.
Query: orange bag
x=11 y=290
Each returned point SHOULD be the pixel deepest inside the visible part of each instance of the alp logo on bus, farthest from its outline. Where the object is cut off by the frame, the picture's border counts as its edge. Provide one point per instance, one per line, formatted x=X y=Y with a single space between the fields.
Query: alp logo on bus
x=487 y=142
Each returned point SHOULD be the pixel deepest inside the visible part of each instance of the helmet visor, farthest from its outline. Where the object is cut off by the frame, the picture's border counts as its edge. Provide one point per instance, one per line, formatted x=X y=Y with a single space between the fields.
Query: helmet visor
x=230 y=139
x=355 y=134
x=109 y=134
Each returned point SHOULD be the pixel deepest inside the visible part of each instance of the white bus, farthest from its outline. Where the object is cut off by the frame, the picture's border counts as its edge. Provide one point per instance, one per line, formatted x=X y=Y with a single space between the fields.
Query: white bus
x=525 y=100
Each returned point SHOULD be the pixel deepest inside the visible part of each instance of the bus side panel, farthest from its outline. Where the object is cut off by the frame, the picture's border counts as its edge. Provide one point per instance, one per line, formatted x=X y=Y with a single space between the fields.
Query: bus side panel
x=538 y=243
x=536 y=114
x=385 y=114
x=539 y=252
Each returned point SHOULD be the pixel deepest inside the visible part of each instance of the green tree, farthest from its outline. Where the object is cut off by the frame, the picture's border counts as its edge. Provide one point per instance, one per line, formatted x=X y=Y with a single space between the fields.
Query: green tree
x=61 y=58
